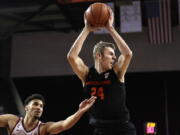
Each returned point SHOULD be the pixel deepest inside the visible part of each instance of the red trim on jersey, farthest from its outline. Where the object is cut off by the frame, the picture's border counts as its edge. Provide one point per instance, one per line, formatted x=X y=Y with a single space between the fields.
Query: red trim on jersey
x=39 y=128
x=14 y=126
x=31 y=129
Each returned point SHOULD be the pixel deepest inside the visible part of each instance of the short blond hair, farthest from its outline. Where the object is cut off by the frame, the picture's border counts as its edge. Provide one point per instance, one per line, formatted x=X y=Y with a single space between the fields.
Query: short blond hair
x=99 y=47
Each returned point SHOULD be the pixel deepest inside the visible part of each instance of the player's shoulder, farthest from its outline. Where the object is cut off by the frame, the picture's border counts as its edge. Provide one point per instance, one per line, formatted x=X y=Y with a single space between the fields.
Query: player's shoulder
x=46 y=124
x=11 y=116
x=45 y=127
x=10 y=120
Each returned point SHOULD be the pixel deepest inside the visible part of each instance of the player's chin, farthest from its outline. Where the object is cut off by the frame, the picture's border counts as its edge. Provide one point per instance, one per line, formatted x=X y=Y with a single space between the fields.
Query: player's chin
x=37 y=116
x=111 y=66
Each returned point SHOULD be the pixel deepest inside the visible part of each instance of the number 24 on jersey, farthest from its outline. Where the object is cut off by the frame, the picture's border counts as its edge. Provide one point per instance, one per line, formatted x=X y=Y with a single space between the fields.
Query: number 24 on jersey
x=99 y=92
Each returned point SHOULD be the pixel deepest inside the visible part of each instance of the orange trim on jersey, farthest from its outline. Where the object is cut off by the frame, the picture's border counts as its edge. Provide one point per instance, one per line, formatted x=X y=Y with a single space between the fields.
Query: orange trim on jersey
x=14 y=126
x=98 y=83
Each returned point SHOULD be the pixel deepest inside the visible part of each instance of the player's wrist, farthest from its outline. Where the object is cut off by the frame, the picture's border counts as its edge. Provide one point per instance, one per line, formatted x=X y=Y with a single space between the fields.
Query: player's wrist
x=87 y=29
x=110 y=29
x=80 y=111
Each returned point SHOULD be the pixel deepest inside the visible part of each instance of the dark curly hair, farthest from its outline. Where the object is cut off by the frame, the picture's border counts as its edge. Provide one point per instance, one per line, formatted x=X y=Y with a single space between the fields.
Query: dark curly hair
x=32 y=97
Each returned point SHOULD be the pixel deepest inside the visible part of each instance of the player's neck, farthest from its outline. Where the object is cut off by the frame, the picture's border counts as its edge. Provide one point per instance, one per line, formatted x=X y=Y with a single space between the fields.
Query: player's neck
x=99 y=68
x=29 y=122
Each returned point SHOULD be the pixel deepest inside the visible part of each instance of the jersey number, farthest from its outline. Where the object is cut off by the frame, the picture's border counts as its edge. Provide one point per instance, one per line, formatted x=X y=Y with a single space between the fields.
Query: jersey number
x=98 y=92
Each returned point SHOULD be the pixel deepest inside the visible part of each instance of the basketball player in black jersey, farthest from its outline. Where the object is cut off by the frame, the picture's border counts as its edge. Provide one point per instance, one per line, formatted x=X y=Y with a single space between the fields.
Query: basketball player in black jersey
x=105 y=79
x=30 y=123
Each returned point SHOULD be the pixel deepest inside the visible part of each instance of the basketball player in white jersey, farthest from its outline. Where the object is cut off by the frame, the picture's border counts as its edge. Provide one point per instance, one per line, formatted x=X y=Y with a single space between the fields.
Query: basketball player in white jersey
x=31 y=125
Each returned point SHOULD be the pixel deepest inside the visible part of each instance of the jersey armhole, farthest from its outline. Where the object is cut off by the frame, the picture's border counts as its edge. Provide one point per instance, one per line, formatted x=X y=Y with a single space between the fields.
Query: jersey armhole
x=117 y=76
x=14 y=126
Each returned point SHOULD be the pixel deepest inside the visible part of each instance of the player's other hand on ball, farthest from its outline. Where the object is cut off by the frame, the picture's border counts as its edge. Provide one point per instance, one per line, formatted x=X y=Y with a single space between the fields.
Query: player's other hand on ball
x=111 y=19
x=90 y=27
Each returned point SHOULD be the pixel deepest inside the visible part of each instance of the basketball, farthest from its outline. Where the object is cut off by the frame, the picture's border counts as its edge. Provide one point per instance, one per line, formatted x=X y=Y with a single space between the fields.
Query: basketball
x=97 y=14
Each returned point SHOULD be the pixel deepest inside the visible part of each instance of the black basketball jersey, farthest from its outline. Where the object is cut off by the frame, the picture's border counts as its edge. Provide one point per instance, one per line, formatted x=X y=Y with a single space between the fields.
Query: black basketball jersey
x=110 y=106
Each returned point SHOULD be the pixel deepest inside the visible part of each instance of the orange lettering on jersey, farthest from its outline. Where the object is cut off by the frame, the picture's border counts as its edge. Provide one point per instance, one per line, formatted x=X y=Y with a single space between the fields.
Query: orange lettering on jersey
x=106 y=82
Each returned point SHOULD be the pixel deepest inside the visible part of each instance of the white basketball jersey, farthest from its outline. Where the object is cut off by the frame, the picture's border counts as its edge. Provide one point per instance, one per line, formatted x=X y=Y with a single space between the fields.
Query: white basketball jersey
x=20 y=130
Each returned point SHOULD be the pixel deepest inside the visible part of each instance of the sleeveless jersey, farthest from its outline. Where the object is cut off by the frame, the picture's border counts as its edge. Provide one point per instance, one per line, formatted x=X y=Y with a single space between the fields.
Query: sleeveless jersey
x=110 y=106
x=20 y=130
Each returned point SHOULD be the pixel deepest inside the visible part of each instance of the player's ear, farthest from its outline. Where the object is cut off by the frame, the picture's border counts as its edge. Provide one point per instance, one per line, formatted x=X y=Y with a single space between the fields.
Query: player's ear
x=98 y=55
x=26 y=108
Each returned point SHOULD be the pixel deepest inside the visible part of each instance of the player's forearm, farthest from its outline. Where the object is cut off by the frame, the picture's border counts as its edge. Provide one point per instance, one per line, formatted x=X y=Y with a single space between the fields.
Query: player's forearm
x=77 y=46
x=72 y=120
x=121 y=44
x=57 y=127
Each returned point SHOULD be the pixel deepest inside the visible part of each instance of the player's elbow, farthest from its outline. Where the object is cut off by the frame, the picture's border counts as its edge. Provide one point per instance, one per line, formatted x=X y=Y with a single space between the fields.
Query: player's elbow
x=129 y=54
x=70 y=57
